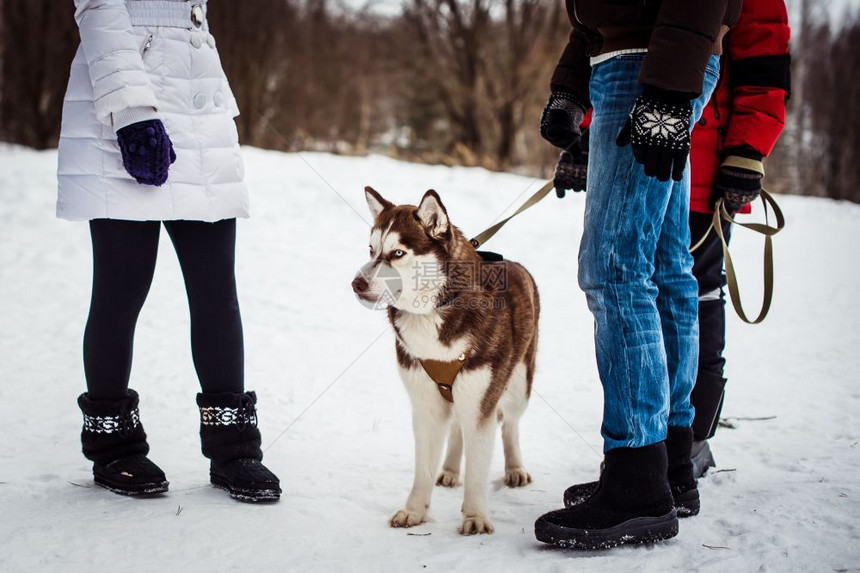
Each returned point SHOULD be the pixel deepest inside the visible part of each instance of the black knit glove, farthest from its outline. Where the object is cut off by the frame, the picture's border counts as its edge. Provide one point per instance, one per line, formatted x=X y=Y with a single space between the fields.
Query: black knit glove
x=658 y=130
x=572 y=168
x=559 y=122
x=738 y=185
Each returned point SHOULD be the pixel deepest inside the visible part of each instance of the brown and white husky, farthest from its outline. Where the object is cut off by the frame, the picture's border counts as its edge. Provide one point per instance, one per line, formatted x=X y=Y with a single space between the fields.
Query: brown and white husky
x=466 y=338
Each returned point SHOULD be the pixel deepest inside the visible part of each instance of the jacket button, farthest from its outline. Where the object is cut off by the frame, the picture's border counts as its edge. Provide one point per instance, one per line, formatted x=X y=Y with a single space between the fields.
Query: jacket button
x=199 y=101
x=218 y=98
x=211 y=41
x=196 y=41
x=197 y=15
x=703 y=122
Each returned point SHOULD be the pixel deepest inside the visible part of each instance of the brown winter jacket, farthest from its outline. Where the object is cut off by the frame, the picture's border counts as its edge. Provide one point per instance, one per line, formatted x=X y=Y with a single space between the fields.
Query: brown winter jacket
x=680 y=36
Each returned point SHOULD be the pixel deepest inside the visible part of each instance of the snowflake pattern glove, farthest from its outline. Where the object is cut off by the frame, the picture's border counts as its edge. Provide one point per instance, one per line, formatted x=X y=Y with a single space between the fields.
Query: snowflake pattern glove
x=560 y=120
x=658 y=131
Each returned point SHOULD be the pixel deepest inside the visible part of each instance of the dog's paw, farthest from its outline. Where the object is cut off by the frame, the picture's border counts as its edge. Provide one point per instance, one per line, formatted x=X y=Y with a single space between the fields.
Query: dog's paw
x=448 y=479
x=473 y=524
x=406 y=518
x=517 y=477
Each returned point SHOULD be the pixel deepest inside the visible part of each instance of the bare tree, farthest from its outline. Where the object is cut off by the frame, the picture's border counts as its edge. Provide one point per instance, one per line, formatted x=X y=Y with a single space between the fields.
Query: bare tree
x=477 y=54
x=832 y=88
x=257 y=42
x=512 y=74
x=453 y=81
x=37 y=43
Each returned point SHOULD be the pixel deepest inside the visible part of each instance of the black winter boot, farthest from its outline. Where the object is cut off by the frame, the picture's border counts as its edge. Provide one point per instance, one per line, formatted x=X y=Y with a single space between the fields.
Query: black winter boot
x=707 y=398
x=114 y=440
x=680 y=471
x=632 y=504
x=680 y=475
x=702 y=458
x=577 y=493
x=231 y=440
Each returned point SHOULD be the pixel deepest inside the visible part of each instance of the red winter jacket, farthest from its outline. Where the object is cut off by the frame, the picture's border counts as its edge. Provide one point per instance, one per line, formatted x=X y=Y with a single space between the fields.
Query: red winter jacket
x=747 y=111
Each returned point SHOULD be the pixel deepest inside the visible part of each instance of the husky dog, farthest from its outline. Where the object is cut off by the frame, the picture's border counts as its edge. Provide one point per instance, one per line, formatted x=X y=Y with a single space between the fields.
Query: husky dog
x=466 y=338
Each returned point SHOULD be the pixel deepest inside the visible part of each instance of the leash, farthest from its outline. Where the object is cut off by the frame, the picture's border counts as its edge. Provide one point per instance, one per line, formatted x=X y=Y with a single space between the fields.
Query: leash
x=722 y=214
x=485 y=236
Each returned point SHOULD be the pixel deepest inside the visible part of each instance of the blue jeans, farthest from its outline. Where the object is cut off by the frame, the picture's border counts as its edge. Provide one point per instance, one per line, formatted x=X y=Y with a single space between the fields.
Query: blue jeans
x=636 y=270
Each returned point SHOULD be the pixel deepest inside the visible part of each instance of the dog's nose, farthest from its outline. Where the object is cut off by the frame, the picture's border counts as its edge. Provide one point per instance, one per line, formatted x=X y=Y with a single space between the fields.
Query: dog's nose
x=359 y=285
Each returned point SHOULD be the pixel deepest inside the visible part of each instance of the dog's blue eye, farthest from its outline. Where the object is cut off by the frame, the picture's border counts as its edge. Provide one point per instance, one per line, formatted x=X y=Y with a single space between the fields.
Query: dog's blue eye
x=398 y=253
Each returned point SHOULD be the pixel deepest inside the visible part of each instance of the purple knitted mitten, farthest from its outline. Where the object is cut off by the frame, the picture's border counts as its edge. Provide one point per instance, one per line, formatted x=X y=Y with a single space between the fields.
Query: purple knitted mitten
x=146 y=151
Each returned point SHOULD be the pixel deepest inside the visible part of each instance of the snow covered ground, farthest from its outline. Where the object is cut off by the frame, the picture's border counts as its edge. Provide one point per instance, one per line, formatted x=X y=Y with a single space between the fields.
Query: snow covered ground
x=335 y=419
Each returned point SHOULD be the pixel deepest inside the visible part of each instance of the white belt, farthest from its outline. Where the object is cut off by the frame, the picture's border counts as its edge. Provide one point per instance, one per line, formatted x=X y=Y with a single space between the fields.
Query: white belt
x=594 y=60
x=169 y=13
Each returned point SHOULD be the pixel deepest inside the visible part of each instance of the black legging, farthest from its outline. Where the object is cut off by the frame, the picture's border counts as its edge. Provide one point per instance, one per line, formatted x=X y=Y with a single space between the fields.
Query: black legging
x=124 y=254
x=708 y=269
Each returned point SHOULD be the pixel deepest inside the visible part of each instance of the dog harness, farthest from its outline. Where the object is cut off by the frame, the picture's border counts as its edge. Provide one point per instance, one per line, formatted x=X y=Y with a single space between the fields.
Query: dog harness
x=444 y=373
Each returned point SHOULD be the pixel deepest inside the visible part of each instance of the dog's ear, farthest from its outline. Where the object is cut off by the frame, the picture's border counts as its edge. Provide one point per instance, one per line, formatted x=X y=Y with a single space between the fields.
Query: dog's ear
x=375 y=202
x=432 y=215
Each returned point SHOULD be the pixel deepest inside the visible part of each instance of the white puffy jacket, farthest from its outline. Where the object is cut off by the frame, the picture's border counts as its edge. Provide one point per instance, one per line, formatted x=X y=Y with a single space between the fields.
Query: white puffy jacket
x=145 y=59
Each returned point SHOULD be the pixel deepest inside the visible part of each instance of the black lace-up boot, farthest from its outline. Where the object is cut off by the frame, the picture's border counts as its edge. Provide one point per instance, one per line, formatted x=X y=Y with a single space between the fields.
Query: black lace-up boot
x=231 y=440
x=114 y=440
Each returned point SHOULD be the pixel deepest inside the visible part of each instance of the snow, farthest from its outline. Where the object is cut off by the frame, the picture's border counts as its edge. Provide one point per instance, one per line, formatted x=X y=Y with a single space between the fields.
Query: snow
x=335 y=419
